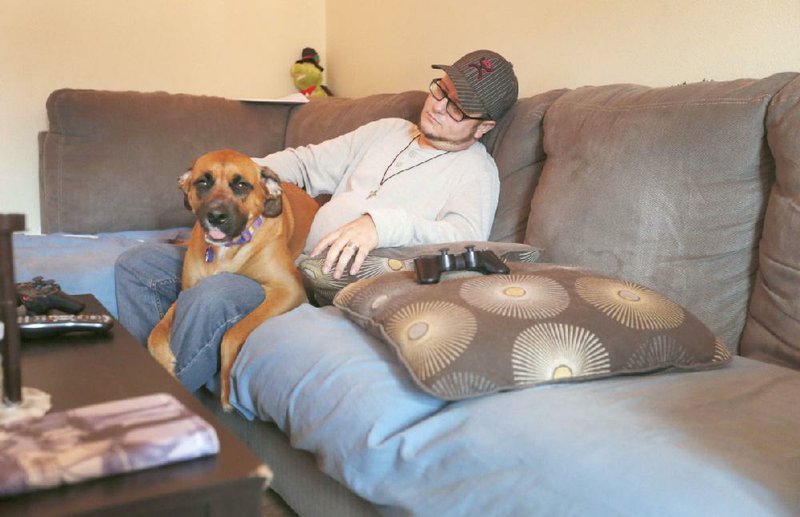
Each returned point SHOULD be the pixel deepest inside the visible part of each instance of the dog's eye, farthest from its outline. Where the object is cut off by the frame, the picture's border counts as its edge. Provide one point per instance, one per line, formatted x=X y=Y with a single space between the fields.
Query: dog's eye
x=204 y=182
x=241 y=187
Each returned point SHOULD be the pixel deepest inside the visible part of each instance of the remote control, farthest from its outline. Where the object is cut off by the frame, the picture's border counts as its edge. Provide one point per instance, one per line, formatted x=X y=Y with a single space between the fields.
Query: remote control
x=32 y=327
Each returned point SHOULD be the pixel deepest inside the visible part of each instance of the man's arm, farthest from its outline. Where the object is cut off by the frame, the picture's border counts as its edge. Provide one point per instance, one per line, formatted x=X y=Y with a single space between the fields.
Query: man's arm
x=320 y=168
x=315 y=168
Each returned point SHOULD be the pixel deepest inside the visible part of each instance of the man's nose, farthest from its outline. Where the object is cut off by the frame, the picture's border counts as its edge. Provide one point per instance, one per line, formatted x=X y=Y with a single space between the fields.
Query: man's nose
x=439 y=105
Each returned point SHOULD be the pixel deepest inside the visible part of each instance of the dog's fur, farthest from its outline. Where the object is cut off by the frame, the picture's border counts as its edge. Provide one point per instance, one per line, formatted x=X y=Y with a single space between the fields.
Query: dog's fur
x=227 y=192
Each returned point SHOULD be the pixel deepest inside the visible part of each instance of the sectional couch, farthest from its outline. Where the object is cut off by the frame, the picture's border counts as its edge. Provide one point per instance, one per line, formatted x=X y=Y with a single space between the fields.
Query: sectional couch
x=691 y=190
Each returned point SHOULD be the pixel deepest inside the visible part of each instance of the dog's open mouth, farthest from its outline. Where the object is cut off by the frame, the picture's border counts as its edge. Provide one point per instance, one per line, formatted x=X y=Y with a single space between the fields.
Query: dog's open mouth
x=222 y=224
x=217 y=236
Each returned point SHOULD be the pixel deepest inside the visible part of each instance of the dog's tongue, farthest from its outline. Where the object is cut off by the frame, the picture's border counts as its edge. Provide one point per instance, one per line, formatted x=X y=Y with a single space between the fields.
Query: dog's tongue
x=217 y=235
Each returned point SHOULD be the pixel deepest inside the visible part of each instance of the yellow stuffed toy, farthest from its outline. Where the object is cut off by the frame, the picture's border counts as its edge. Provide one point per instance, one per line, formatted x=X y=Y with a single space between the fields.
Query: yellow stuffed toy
x=307 y=75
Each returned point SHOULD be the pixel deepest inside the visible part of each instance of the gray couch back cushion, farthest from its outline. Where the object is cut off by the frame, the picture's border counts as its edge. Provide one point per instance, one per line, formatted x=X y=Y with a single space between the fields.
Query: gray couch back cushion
x=326 y=118
x=516 y=145
x=110 y=160
x=662 y=186
x=772 y=332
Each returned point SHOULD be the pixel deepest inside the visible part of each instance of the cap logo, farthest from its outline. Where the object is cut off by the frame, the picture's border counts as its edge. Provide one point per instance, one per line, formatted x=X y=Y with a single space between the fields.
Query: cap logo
x=483 y=66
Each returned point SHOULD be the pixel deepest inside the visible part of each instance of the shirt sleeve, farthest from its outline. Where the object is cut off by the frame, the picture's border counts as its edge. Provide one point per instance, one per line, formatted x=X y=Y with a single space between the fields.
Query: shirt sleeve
x=320 y=168
x=317 y=169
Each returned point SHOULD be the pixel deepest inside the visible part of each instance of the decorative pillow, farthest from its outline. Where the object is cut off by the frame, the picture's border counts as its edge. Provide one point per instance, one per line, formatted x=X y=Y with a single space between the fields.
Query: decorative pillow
x=473 y=334
x=387 y=260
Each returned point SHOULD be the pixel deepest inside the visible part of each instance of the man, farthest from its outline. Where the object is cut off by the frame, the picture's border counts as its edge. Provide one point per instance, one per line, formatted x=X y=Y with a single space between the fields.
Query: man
x=392 y=184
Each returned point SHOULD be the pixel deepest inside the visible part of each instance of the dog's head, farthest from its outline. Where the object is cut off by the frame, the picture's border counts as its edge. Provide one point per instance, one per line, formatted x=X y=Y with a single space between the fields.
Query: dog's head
x=227 y=191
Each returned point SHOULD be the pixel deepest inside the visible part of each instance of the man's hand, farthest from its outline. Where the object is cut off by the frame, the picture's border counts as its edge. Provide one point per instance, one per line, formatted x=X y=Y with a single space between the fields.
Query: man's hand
x=358 y=237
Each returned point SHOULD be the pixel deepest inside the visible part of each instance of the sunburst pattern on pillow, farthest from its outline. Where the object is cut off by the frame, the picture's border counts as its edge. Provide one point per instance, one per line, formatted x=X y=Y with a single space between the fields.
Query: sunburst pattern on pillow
x=431 y=334
x=470 y=335
x=658 y=349
x=516 y=296
x=632 y=305
x=458 y=385
x=554 y=351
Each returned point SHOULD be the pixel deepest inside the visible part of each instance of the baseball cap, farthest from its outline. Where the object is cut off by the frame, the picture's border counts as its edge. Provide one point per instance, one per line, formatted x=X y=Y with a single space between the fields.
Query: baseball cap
x=485 y=82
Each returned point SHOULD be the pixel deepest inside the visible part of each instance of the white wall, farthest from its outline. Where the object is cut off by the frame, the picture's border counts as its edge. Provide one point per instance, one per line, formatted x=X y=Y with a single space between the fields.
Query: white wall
x=388 y=46
x=230 y=48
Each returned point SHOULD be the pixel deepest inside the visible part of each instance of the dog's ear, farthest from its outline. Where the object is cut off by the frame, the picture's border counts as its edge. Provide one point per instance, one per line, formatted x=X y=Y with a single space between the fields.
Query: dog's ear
x=273 y=204
x=183 y=183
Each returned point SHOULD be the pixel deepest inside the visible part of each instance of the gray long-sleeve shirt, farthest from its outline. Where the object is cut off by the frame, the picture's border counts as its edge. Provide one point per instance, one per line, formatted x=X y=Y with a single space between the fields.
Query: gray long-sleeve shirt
x=450 y=197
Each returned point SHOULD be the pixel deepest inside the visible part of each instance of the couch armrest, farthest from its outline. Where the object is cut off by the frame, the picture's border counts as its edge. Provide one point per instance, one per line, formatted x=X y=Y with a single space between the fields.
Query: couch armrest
x=110 y=160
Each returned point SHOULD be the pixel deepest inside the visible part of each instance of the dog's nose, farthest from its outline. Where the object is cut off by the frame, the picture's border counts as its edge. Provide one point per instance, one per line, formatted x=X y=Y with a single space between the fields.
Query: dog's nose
x=217 y=217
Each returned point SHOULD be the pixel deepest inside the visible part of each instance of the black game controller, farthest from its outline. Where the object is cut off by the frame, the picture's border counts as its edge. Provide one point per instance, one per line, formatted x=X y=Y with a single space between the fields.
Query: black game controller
x=430 y=268
x=39 y=296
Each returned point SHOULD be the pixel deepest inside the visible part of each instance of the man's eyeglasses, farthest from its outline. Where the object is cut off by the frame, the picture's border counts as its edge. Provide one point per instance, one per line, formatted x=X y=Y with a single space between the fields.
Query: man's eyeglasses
x=452 y=109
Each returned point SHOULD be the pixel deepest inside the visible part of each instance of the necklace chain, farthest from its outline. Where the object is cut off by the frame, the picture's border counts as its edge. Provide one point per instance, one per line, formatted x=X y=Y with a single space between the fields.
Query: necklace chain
x=384 y=179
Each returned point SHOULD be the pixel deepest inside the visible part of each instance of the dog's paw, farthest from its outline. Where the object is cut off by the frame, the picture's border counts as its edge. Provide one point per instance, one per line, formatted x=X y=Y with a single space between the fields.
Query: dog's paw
x=226 y=406
x=225 y=393
x=163 y=356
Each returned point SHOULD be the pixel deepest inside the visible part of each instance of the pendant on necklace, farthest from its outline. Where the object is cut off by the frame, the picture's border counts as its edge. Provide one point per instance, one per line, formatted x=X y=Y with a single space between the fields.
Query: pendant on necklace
x=399 y=164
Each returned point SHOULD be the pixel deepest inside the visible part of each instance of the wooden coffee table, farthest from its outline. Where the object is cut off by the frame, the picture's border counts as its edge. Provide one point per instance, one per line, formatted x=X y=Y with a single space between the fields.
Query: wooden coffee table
x=80 y=369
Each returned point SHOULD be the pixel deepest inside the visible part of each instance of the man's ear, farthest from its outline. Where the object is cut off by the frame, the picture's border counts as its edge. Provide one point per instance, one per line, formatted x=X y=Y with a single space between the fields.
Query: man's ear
x=183 y=183
x=484 y=127
x=273 y=203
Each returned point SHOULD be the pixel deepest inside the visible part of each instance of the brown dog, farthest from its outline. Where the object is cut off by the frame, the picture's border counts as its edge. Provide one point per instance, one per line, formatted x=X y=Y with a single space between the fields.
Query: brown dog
x=247 y=223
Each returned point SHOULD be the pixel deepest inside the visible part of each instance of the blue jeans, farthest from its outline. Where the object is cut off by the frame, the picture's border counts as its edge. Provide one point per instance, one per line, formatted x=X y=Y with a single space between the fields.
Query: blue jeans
x=148 y=282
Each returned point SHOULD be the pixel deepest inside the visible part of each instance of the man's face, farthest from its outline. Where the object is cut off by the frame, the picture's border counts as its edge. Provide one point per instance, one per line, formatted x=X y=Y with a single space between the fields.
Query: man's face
x=441 y=130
